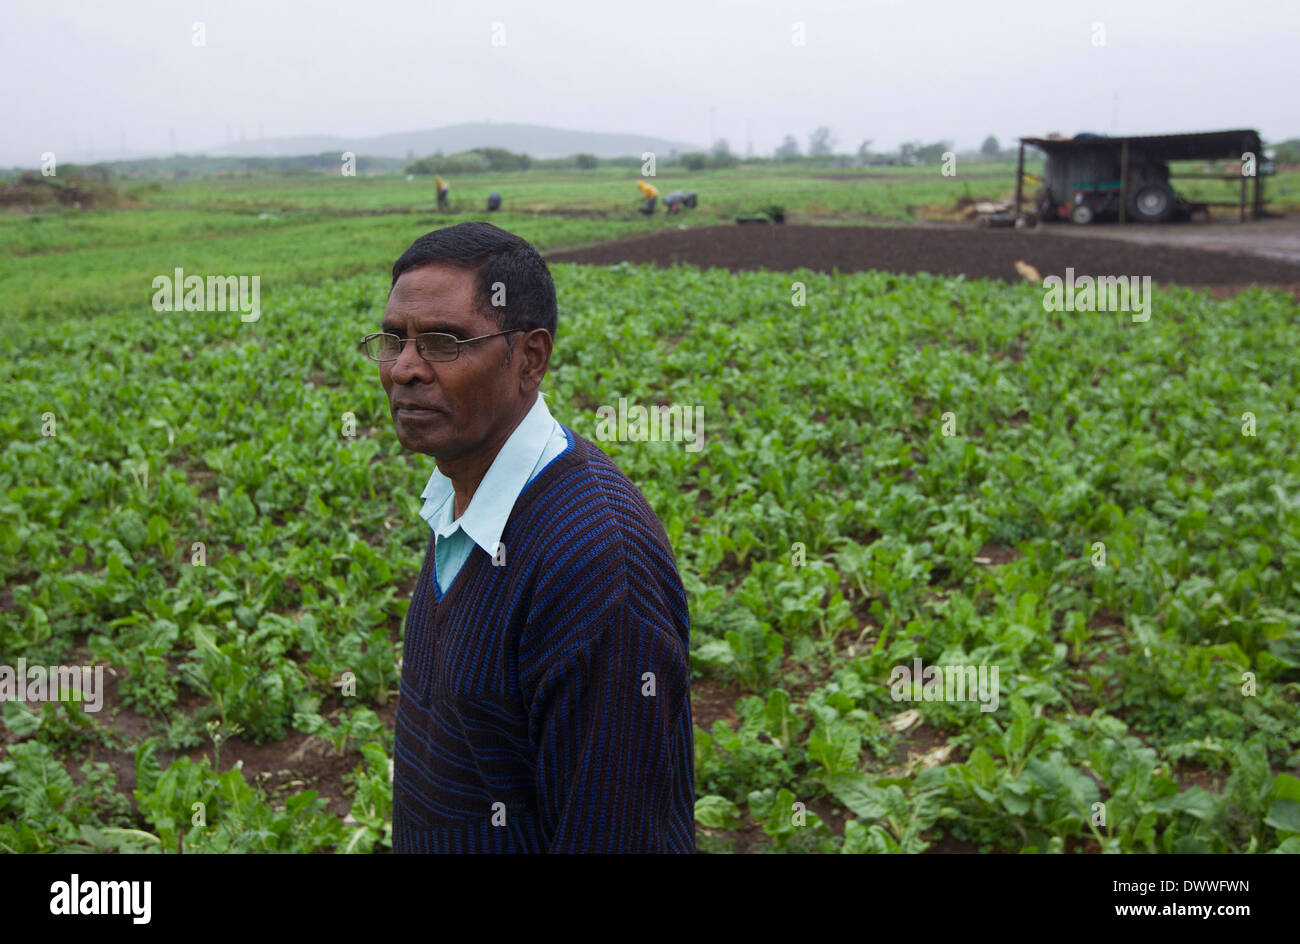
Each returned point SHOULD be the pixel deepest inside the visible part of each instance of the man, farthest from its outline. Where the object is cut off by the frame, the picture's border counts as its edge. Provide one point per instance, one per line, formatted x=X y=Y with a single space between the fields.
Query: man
x=650 y=193
x=444 y=189
x=545 y=692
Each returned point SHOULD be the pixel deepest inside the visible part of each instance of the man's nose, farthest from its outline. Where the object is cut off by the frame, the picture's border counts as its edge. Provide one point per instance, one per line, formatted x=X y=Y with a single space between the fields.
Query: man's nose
x=410 y=365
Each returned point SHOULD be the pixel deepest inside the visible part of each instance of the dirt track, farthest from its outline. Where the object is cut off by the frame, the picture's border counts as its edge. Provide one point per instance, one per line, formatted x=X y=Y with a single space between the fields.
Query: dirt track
x=972 y=252
x=1274 y=238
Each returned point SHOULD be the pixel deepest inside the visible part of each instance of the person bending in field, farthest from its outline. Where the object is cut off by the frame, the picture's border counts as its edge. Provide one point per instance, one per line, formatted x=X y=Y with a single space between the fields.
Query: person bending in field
x=650 y=193
x=444 y=190
x=545 y=692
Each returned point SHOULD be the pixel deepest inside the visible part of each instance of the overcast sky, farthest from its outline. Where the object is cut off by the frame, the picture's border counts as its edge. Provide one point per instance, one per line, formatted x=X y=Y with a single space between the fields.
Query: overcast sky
x=84 y=78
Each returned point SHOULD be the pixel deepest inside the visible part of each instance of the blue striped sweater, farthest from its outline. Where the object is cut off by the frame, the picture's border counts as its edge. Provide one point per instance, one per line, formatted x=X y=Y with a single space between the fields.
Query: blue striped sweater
x=545 y=701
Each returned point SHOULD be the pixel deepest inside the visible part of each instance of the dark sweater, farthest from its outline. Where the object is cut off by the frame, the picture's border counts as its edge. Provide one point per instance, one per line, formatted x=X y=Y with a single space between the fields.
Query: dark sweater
x=525 y=722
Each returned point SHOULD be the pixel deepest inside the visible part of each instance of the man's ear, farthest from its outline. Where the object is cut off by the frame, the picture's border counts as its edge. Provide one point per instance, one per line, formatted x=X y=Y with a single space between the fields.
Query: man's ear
x=535 y=355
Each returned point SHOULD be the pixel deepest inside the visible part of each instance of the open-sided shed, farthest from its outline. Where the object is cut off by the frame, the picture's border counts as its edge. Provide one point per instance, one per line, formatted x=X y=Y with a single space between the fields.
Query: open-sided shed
x=1131 y=174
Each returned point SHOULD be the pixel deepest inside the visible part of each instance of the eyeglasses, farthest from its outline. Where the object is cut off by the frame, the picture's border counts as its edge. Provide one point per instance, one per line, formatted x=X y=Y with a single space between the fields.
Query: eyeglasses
x=432 y=345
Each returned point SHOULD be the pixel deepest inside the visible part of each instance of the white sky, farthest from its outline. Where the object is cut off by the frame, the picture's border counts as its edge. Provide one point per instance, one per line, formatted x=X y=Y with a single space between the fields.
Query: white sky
x=81 y=78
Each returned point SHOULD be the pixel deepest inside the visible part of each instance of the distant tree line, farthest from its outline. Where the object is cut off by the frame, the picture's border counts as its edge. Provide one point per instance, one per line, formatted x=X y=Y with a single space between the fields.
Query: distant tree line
x=821 y=152
x=473 y=161
x=1286 y=152
x=485 y=160
x=200 y=165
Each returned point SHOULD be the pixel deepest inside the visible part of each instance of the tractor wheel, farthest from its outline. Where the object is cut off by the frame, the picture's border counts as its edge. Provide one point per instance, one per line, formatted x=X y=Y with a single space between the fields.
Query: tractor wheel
x=1153 y=202
x=1081 y=214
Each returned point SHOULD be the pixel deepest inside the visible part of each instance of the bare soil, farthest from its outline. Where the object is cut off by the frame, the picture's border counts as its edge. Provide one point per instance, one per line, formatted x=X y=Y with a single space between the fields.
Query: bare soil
x=946 y=251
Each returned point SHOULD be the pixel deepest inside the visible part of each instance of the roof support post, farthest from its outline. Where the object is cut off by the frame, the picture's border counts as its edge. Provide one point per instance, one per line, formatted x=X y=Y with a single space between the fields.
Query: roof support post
x=1123 y=180
x=1020 y=177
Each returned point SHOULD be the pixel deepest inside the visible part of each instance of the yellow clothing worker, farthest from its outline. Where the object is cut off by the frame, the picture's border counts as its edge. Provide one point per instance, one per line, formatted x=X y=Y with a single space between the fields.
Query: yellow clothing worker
x=651 y=194
x=442 y=189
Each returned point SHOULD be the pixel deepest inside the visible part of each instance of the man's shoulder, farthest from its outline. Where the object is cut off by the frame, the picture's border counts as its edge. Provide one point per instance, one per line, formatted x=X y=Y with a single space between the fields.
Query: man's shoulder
x=581 y=468
x=595 y=547
x=583 y=497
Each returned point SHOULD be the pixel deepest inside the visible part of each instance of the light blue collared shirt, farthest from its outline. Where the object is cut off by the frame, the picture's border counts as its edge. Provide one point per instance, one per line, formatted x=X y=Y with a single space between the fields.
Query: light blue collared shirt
x=535 y=442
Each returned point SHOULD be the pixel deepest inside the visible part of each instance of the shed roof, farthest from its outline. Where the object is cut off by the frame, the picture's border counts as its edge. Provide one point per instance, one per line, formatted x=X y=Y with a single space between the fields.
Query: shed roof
x=1195 y=146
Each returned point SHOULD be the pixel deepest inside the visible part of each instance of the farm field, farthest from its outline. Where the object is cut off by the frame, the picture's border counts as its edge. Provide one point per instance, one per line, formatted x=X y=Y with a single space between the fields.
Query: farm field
x=297 y=229
x=898 y=193
x=886 y=192
x=908 y=466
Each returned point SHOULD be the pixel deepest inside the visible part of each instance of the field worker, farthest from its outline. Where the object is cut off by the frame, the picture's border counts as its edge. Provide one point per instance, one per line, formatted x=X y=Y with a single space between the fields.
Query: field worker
x=673 y=202
x=650 y=193
x=545 y=692
x=443 y=189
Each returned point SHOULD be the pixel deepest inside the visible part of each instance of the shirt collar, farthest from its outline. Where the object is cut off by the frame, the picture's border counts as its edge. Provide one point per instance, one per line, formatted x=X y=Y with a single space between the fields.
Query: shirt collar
x=489 y=510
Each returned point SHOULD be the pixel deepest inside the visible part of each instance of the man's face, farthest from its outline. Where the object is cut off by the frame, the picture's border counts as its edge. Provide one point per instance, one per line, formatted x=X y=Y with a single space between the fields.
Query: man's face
x=446 y=409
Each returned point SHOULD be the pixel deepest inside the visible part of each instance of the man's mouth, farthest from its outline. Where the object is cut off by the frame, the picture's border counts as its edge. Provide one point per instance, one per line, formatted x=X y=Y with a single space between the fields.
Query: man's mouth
x=406 y=410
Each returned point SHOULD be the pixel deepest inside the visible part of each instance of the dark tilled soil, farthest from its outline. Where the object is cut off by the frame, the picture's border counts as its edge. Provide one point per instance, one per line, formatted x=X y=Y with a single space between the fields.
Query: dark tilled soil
x=713 y=701
x=974 y=253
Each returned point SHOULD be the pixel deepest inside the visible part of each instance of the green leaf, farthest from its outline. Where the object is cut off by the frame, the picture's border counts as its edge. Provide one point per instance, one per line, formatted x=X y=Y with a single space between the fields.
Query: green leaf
x=1286 y=787
x=1284 y=815
x=157 y=529
x=1197 y=801
x=1015 y=805
x=859 y=794
x=716 y=812
x=19 y=719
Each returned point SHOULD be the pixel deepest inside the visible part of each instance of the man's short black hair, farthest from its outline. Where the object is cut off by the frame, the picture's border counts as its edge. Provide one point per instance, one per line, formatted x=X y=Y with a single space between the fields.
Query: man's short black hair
x=496 y=256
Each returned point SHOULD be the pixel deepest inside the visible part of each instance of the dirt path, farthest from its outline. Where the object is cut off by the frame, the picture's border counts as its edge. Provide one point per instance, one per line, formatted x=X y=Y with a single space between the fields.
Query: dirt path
x=1277 y=239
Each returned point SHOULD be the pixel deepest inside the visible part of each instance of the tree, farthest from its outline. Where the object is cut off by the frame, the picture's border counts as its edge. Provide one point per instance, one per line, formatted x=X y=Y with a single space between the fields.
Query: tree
x=789 y=149
x=1287 y=152
x=820 y=142
x=585 y=161
x=933 y=152
x=990 y=148
x=864 y=152
x=722 y=156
